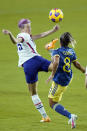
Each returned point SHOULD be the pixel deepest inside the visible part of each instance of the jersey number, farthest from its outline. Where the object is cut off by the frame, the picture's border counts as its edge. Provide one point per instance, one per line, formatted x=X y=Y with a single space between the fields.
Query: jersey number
x=66 y=67
x=19 y=47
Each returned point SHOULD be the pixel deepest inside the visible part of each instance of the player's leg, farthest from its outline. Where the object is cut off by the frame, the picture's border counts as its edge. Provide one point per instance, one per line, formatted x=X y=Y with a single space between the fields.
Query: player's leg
x=45 y=65
x=59 y=108
x=31 y=74
x=55 y=95
x=37 y=102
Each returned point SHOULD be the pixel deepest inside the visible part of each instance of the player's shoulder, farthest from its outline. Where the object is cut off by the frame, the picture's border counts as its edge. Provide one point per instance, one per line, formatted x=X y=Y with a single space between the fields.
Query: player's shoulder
x=71 y=50
x=55 y=51
x=24 y=35
x=58 y=49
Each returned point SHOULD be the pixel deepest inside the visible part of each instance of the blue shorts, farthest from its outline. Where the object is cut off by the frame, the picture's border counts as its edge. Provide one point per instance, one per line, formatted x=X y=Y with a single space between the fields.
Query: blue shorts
x=33 y=66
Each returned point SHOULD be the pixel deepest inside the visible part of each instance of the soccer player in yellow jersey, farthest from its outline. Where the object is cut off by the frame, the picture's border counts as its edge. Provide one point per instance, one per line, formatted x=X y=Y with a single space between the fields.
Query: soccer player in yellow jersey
x=65 y=57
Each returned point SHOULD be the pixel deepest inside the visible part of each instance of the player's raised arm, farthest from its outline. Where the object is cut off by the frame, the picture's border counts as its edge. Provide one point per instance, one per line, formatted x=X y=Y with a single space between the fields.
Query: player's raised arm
x=44 y=34
x=13 y=39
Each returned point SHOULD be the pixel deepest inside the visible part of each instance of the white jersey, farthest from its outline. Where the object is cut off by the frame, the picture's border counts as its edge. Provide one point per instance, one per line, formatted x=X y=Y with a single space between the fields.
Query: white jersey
x=27 y=49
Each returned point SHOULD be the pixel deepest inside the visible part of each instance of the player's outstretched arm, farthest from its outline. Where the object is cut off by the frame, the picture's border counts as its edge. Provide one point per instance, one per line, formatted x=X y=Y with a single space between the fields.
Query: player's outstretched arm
x=44 y=34
x=13 y=39
x=78 y=66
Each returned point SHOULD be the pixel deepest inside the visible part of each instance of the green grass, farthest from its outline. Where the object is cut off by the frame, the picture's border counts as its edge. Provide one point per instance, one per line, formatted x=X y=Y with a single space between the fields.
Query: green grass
x=17 y=113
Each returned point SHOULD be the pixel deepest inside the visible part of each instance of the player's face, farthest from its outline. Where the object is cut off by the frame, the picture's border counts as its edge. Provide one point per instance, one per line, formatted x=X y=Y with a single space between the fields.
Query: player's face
x=27 y=27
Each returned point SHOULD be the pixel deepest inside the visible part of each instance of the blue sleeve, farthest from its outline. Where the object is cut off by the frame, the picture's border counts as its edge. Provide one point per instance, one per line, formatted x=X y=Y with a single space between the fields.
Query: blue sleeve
x=74 y=58
x=54 y=52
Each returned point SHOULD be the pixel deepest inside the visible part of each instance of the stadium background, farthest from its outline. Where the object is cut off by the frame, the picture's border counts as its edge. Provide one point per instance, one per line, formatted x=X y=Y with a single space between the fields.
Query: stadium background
x=17 y=112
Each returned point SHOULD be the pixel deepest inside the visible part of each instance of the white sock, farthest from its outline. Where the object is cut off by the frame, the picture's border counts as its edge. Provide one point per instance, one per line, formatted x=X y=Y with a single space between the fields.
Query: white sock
x=38 y=104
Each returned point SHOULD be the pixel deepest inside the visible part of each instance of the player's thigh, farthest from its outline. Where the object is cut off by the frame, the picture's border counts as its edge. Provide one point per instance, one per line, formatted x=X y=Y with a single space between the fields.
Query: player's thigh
x=56 y=92
x=31 y=71
x=44 y=64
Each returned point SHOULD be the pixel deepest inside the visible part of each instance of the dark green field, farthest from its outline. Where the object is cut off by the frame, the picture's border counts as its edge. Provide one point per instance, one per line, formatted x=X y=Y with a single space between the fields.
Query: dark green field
x=17 y=112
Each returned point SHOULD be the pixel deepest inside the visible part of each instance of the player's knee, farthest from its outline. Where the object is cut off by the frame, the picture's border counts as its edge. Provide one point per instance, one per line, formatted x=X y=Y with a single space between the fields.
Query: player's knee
x=50 y=102
x=32 y=89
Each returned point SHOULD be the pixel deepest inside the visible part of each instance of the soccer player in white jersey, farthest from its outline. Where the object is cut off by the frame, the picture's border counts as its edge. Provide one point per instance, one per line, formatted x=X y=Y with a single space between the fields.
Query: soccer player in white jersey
x=31 y=61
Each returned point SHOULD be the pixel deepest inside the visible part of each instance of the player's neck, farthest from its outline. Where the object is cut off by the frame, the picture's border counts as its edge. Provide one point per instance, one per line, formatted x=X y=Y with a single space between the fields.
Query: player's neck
x=61 y=45
x=24 y=31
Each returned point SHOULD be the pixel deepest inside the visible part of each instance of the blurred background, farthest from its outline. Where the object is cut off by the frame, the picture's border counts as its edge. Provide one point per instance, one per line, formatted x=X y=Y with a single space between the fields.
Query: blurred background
x=17 y=112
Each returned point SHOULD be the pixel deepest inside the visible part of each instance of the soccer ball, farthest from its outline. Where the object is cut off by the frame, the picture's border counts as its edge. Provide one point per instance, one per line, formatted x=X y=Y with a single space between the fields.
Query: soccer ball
x=56 y=15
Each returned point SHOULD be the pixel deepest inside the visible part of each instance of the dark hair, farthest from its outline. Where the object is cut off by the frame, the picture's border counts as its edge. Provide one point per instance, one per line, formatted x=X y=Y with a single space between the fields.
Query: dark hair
x=66 y=39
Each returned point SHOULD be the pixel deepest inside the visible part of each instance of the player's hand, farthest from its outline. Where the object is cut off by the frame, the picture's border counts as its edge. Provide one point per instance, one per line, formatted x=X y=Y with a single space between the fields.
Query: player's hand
x=50 y=78
x=55 y=28
x=6 y=32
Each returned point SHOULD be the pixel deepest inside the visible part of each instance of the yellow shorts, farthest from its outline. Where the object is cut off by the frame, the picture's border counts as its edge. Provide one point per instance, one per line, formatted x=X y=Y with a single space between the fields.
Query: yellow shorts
x=56 y=91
